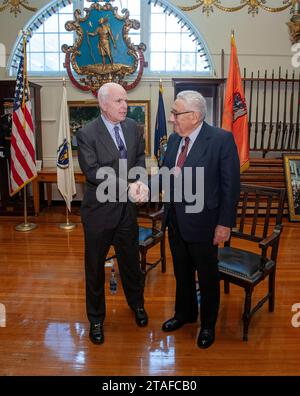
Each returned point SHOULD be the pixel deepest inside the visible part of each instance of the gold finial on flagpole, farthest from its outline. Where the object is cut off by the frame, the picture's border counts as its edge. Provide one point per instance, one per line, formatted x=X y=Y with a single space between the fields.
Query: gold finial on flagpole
x=160 y=85
x=67 y=225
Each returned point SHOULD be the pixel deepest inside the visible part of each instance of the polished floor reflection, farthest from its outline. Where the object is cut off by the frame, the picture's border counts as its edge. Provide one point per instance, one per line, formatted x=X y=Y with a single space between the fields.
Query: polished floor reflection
x=45 y=331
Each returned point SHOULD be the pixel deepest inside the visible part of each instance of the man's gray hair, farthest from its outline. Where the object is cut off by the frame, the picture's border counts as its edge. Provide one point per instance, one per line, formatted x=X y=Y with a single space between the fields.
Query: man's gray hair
x=194 y=101
x=104 y=91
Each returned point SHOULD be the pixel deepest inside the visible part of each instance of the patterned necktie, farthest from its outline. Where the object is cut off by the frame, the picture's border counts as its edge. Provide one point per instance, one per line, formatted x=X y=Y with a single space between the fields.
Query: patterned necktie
x=183 y=153
x=120 y=143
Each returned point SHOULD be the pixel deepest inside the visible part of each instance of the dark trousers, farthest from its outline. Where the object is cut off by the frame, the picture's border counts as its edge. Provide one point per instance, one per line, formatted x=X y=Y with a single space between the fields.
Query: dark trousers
x=97 y=243
x=188 y=258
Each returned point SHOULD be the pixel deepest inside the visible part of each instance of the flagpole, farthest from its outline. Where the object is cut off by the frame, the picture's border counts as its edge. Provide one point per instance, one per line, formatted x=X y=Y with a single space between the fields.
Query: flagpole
x=25 y=226
x=67 y=225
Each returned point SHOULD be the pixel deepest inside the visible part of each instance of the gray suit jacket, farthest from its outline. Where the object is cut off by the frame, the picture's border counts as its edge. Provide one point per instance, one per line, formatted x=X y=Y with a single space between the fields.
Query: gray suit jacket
x=96 y=149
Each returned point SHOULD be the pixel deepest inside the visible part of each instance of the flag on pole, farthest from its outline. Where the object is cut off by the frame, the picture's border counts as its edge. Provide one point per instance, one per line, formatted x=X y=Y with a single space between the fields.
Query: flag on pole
x=22 y=148
x=235 y=118
x=160 y=142
x=64 y=163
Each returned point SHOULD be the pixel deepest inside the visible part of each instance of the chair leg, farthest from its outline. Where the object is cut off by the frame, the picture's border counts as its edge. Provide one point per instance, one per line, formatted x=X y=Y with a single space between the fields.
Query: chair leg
x=246 y=314
x=226 y=287
x=163 y=255
x=272 y=291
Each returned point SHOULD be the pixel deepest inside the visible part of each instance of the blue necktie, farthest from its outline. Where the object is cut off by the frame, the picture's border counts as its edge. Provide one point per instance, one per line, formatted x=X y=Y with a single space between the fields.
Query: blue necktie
x=120 y=143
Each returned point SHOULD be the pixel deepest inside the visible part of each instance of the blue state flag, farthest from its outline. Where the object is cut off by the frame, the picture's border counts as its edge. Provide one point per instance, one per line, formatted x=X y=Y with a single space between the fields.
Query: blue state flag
x=160 y=142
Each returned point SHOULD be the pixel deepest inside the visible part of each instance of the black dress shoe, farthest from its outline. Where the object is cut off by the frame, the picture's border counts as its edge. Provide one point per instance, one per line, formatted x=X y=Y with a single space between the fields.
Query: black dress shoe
x=141 y=317
x=96 y=333
x=172 y=324
x=206 y=338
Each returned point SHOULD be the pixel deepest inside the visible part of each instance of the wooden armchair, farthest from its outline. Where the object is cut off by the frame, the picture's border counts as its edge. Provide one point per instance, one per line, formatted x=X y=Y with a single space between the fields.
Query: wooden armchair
x=259 y=222
x=151 y=235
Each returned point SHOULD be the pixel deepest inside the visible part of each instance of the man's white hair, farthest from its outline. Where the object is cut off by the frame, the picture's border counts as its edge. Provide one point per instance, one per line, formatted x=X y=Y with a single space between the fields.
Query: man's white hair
x=194 y=101
x=104 y=91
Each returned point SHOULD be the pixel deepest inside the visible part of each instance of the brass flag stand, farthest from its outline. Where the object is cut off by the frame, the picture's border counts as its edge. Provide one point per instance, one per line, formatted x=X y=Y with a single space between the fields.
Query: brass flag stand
x=67 y=225
x=25 y=226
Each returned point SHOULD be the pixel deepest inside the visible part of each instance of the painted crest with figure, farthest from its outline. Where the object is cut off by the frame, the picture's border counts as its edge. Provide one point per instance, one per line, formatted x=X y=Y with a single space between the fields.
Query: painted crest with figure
x=102 y=51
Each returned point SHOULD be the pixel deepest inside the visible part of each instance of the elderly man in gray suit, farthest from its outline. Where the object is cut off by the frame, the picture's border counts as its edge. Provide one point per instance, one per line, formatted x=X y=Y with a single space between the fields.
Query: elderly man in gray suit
x=101 y=144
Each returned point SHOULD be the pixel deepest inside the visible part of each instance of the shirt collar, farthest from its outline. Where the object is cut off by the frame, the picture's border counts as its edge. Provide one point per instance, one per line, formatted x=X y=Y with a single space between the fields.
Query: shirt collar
x=193 y=135
x=109 y=125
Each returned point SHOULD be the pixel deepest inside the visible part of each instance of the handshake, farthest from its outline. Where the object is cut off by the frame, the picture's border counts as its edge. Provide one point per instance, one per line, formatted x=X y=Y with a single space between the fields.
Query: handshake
x=138 y=192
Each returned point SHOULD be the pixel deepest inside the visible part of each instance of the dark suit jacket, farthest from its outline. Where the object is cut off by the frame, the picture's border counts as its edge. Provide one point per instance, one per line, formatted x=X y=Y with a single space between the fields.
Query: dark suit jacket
x=96 y=149
x=215 y=151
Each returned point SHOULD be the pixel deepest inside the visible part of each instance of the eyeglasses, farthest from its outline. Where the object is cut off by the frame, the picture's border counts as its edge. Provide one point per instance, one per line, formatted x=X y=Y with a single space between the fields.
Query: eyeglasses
x=176 y=114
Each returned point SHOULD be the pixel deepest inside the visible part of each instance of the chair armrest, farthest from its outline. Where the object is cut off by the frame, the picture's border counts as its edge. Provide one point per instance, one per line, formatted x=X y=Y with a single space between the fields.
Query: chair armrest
x=157 y=215
x=152 y=216
x=271 y=239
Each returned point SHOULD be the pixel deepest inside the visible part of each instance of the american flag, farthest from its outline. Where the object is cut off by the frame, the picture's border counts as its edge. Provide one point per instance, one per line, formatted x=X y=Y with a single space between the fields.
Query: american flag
x=22 y=149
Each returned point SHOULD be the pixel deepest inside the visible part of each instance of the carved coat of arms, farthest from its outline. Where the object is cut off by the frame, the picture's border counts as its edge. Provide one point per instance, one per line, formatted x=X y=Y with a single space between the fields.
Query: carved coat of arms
x=102 y=51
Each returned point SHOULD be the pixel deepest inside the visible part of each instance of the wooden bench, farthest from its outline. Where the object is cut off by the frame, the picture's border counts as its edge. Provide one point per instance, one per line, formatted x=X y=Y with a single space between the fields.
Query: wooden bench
x=265 y=172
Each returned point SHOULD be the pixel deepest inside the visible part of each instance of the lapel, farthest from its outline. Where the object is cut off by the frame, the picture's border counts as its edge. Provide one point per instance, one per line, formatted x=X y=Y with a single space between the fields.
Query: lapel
x=199 y=147
x=105 y=138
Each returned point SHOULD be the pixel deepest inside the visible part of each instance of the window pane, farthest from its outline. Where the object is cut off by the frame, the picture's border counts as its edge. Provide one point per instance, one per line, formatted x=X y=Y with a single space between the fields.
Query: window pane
x=67 y=10
x=187 y=43
x=37 y=62
x=172 y=25
x=158 y=23
x=62 y=58
x=201 y=63
x=135 y=38
x=157 y=61
x=51 y=42
x=185 y=29
x=36 y=43
x=156 y=10
x=172 y=62
x=62 y=20
x=66 y=38
x=51 y=24
x=188 y=62
x=40 y=29
x=134 y=7
x=51 y=62
x=173 y=42
x=158 y=42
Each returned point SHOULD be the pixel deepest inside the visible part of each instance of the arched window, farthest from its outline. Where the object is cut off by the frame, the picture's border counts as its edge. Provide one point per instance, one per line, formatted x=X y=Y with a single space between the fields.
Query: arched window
x=174 y=45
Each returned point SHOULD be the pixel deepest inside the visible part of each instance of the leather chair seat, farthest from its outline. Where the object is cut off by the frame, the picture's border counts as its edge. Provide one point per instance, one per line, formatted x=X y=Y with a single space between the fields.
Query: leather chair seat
x=242 y=263
x=146 y=236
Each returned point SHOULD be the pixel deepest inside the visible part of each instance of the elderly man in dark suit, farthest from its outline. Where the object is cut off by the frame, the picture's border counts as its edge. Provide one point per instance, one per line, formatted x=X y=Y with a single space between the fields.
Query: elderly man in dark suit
x=101 y=144
x=194 y=235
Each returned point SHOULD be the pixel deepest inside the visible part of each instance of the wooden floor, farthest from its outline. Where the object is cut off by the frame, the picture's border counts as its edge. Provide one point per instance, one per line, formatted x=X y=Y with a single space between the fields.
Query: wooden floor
x=46 y=333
